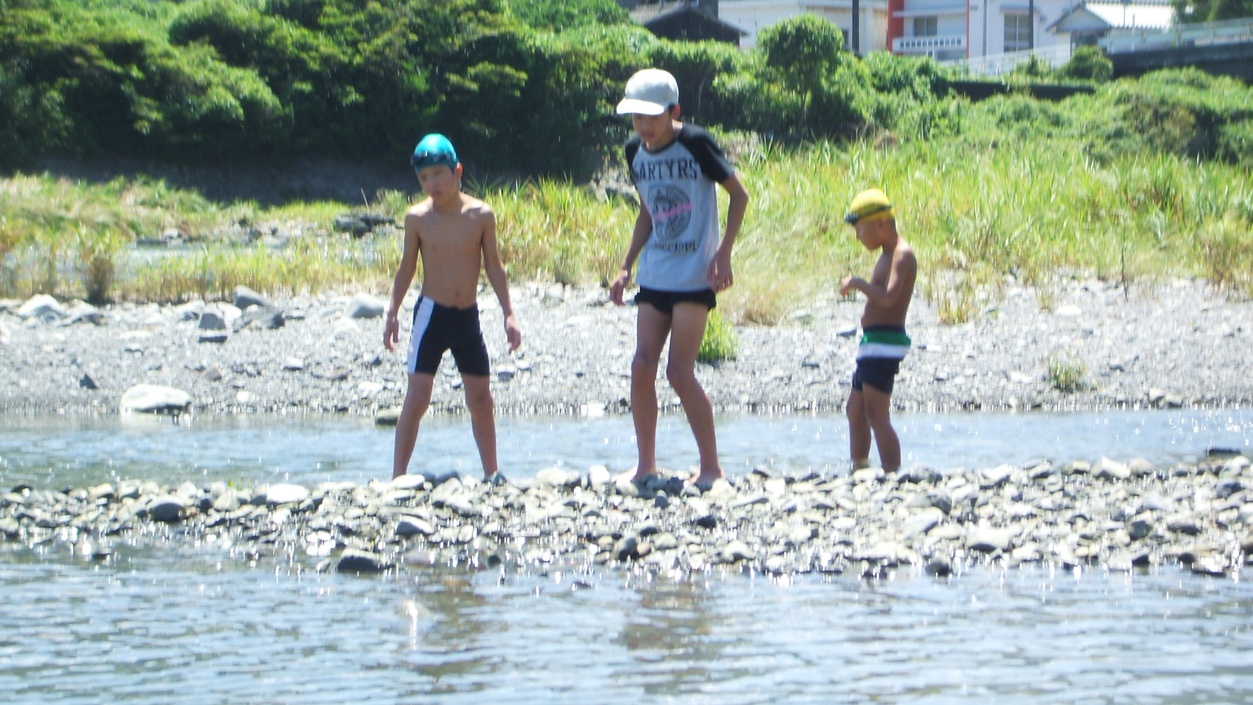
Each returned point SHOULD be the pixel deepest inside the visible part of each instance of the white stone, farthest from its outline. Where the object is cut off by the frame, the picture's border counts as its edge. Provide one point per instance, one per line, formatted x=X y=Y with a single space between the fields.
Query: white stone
x=285 y=493
x=154 y=399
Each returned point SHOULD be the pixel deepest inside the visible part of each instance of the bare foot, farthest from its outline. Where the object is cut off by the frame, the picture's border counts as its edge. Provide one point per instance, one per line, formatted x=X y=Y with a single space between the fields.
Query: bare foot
x=635 y=475
x=705 y=479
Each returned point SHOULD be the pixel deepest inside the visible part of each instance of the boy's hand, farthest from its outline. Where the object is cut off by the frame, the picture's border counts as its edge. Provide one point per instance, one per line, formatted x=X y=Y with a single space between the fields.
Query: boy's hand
x=391 y=332
x=848 y=287
x=618 y=286
x=720 y=275
x=513 y=333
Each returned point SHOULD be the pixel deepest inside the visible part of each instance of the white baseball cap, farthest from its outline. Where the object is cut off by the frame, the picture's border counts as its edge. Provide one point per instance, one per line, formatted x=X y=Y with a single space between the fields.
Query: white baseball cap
x=649 y=92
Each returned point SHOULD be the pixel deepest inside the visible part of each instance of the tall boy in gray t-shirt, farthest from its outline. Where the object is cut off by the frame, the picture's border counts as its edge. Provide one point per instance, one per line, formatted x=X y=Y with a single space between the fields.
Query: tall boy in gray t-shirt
x=682 y=260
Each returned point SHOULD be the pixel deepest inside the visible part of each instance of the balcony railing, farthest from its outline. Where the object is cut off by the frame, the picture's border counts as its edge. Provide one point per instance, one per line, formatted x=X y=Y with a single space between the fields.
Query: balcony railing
x=927 y=45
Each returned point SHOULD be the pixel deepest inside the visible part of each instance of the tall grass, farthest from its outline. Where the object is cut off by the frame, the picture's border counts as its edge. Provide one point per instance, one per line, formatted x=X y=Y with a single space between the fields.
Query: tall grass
x=975 y=212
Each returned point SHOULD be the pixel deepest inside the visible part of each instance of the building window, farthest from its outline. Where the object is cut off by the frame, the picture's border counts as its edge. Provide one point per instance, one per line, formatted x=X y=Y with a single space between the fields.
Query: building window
x=1017 y=33
x=926 y=26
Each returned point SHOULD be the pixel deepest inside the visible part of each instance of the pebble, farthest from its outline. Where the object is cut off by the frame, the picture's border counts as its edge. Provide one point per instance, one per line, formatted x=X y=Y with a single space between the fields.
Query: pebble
x=773 y=524
x=323 y=354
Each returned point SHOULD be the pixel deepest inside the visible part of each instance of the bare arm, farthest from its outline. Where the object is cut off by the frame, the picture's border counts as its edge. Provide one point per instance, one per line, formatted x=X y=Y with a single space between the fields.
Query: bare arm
x=404 y=278
x=639 y=236
x=499 y=281
x=900 y=282
x=720 y=274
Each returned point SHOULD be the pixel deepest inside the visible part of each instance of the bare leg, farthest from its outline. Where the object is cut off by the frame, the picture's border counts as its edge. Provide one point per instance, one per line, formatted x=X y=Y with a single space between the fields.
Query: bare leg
x=482 y=420
x=417 y=399
x=878 y=406
x=687 y=329
x=858 y=430
x=652 y=327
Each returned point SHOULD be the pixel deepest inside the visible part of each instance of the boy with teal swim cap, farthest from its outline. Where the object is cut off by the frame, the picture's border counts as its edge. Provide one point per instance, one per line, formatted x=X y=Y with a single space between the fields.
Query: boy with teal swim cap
x=455 y=236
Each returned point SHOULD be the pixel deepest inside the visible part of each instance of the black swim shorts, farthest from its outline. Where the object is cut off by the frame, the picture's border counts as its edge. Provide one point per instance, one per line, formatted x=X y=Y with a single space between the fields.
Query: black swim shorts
x=878 y=372
x=438 y=328
x=664 y=301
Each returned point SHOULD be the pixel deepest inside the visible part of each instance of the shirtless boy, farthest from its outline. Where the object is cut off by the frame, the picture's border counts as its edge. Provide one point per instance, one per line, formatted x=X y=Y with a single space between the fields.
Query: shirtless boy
x=455 y=235
x=884 y=342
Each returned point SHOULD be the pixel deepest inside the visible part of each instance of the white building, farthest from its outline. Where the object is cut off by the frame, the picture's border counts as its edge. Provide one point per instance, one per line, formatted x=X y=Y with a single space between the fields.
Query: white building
x=755 y=15
x=948 y=30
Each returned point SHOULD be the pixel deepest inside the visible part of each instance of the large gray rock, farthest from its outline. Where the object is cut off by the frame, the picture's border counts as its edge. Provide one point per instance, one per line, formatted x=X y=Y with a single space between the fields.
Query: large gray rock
x=154 y=399
x=365 y=306
x=216 y=322
x=245 y=297
x=168 y=509
x=354 y=561
x=43 y=307
x=987 y=539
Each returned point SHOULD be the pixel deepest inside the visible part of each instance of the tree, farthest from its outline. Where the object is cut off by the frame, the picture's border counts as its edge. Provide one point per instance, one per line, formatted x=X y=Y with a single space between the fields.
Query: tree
x=802 y=51
x=562 y=15
x=1211 y=10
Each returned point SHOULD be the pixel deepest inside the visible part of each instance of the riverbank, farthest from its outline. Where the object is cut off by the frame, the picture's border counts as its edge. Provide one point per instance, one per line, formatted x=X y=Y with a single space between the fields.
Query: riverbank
x=1174 y=345
x=1086 y=345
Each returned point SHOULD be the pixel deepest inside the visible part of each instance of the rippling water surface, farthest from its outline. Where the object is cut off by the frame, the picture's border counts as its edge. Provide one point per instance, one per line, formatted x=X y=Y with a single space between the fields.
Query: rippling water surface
x=172 y=627
x=58 y=452
x=190 y=624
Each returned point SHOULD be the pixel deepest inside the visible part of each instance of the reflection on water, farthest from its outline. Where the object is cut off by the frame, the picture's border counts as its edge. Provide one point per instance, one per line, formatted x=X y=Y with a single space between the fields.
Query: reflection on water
x=187 y=624
x=58 y=452
x=166 y=625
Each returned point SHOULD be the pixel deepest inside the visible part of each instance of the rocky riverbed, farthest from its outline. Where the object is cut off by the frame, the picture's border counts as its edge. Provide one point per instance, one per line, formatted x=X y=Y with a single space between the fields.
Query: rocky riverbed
x=1177 y=344
x=1107 y=515
x=1087 y=346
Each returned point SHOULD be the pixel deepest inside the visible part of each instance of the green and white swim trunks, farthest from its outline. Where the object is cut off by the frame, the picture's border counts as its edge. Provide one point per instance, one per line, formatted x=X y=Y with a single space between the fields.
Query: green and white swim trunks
x=888 y=342
x=879 y=357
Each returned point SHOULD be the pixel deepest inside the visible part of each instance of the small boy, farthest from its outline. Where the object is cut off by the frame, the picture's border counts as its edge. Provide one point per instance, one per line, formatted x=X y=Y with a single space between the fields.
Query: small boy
x=682 y=260
x=455 y=234
x=883 y=341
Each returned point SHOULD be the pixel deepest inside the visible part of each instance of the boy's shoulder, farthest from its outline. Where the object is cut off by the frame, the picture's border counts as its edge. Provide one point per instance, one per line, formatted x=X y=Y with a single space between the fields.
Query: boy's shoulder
x=691 y=132
x=470 y=207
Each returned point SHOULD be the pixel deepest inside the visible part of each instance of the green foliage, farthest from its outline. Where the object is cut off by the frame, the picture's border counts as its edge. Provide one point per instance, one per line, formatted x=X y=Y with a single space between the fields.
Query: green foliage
x=916 y=77
x=96 y=78
x=1065 y=374
x=1177 y=111
x=1033 y=68
x=696 y=67
x=1228 y=254
x=802 y=50
x=815 y=83
x=524 y=89
x=563 y=15
x=1234 y=143
x=1088 y=63
x=719 y=341
x=1211 y=10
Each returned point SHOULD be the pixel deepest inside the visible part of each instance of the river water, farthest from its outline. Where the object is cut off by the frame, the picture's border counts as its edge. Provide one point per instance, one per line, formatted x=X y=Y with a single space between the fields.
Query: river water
x=187 y=624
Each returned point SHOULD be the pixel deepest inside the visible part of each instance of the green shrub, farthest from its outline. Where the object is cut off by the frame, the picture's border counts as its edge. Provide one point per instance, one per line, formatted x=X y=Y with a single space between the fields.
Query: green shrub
x=809 y=76
x=719 y=341
x=1235 y=142
x=1088 y=63
x=1228 y=254
x=1065 y=374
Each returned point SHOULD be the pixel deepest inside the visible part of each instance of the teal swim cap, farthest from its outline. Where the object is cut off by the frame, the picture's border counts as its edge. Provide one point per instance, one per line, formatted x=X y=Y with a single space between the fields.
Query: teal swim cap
x=433 y=149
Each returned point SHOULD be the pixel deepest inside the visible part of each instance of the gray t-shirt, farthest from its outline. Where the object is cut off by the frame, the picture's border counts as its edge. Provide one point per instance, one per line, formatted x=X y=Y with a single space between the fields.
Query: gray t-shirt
x=678 y=185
